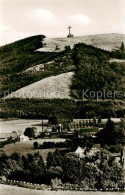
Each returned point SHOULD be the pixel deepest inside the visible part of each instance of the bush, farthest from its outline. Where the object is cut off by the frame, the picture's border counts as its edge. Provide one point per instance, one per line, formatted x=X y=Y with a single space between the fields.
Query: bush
x=30 y=132
x=46 y=145
x=35 y=144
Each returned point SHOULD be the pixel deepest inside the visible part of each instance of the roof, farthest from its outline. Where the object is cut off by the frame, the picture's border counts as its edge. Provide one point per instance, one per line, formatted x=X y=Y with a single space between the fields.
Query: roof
x=80 y=151
x=95 y=148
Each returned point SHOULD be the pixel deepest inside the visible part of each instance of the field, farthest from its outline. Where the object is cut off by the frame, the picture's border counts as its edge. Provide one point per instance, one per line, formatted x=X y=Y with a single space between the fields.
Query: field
x=48 y=88
x=20 y=125
x=27 y=147
x=13 y=190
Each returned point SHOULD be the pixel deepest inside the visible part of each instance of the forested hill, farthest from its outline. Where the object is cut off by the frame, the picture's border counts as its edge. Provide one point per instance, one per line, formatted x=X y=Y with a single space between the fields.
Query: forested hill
x=94 y=69
x=18 y=57
x=94 y=72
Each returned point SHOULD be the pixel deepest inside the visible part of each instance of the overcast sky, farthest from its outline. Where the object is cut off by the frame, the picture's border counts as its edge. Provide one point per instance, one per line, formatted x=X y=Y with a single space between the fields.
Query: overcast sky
x=23 y=18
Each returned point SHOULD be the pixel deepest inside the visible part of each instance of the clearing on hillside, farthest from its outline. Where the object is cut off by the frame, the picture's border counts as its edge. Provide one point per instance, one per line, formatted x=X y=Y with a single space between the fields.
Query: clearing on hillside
x=48 y=88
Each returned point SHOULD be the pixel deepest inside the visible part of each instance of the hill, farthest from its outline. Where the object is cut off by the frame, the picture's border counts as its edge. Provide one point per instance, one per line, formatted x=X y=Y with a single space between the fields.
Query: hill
x=26 y=70
x=103 y=41
x=94 y=71
x=17 y=57
x=21 y=58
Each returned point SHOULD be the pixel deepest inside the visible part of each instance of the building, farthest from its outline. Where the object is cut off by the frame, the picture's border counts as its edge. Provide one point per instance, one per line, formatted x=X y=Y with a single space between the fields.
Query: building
x=14 y=135
x=23 y=138
x=95 y=148
x=80 y=151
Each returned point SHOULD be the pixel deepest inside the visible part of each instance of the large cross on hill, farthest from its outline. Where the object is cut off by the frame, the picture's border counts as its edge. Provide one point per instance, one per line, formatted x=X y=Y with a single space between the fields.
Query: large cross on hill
x=69 y=29
x=69 y=35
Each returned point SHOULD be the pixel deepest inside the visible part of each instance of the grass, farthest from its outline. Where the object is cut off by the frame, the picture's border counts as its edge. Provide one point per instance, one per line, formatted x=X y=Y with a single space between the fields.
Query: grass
x=103 y=41
x=51 y=87
x=88 y=130
x=14 y=190
x=26 y=147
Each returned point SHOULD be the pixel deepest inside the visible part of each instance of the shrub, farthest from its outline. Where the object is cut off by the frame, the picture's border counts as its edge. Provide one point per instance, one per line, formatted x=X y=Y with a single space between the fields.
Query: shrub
x=35 y=144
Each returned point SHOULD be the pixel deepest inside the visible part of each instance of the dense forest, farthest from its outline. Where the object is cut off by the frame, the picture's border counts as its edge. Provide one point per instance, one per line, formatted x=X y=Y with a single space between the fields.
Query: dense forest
x=60 y=108
x=95 y=73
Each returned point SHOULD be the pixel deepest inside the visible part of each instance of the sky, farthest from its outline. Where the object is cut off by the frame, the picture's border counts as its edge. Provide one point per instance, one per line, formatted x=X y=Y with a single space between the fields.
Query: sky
x=24 y=18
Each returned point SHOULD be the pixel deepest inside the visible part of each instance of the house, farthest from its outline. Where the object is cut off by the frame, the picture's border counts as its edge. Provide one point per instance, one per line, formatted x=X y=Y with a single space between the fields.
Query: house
x=14 y=135
x=23 y=138
x=80 y=151
x=95 y=148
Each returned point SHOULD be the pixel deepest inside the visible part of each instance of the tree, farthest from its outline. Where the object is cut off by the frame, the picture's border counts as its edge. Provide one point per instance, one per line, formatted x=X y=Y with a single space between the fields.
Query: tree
x=53 y=120
x=30 y=132
x=76 y=137
x=108 y=135
x=49 y=160
x=99 y=120
x=35 y=144
x=83 y=124
x=80 y=124
x=94 y=121
x=55 y=172
x=67 y=47
x=42 y=135
x=87 y=124
x=71 y=166
x=90 y=123
x=15 y=156
x=122 y=47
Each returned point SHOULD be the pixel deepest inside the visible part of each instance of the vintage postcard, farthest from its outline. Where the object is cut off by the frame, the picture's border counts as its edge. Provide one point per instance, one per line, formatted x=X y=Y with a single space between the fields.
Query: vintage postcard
x=62 y=97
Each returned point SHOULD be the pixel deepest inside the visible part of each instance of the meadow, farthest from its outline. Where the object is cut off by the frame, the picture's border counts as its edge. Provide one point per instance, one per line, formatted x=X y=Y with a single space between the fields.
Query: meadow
x=13 y=190
x=9 y=126
x=27 y=147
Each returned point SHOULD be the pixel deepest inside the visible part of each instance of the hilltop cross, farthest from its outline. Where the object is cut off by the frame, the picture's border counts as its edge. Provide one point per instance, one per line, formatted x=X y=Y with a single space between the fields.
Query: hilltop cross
x=69 y=35
x=69 y=29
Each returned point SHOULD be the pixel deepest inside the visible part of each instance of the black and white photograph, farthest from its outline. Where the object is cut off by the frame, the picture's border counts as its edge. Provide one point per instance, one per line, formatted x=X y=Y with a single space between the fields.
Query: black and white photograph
x=62 y=97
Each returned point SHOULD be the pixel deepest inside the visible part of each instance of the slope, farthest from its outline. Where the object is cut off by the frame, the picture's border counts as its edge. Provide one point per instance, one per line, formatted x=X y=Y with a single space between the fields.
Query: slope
x=17 y=57
x=104 y=41
x=48 y=88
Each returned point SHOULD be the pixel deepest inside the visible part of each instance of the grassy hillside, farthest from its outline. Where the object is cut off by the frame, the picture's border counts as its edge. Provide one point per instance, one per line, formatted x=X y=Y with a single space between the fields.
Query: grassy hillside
x=48 y=88
x=107 y=42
